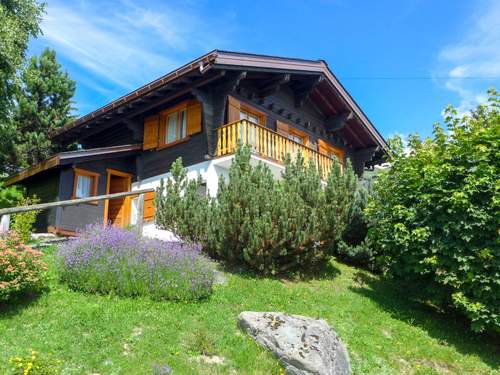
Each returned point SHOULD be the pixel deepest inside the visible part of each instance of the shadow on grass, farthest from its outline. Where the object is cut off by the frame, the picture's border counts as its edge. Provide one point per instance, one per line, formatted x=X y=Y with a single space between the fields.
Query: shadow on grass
x=321 y=272
x=449 y=328
x=15 y=306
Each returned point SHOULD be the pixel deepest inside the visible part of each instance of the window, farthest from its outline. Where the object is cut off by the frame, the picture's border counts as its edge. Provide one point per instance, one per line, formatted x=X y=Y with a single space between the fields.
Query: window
x=175 y=126
x=246 y=115
x=331 y=151
x=85 y=183
x=292 y=133
x=296 y=138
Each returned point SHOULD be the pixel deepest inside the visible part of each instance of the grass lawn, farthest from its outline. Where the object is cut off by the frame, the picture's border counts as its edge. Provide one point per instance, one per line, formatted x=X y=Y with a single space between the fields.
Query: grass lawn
x=385 y=332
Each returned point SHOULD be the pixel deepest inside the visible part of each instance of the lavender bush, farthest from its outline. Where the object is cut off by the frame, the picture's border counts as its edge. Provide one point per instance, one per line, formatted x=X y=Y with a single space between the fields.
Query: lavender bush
x=113 y=260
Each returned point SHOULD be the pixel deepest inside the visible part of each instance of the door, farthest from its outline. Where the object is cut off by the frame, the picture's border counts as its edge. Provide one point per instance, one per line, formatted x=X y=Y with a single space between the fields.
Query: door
x=117 y=211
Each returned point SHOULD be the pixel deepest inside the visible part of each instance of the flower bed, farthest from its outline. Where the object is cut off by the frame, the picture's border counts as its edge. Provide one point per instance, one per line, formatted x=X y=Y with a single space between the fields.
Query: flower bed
x=113 y=260
x=21 y=269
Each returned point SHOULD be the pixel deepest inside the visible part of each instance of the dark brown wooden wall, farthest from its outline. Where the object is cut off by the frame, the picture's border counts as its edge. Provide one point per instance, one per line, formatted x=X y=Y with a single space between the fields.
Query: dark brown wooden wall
x=73 y=217
x=46 y=187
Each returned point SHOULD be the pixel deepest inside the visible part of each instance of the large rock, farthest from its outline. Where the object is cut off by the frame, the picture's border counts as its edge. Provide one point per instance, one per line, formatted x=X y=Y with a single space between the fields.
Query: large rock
x=303 y=345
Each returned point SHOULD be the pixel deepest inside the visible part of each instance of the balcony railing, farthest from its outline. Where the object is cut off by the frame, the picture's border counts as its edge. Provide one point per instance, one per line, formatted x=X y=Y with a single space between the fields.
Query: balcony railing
x=267 y=144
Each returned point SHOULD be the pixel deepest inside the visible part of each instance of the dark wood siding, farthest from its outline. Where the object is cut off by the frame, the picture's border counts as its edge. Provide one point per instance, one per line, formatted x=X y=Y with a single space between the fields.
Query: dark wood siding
x=158 y=162
x=46 y=187
x=71 y=218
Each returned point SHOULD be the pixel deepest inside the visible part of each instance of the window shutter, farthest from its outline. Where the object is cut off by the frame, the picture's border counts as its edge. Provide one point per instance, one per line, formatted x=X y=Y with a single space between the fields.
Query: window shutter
x=150 y=132
x=149 y=206
x=233 y=109
x=162 y=132
x=282 y=128
x=194 y=118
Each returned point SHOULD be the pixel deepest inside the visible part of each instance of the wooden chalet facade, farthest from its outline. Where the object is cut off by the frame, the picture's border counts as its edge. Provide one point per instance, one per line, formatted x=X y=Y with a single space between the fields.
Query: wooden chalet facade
x=199 y=112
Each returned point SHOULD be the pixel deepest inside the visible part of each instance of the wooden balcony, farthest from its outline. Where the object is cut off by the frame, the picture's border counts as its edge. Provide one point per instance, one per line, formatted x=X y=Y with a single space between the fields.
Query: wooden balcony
x=267 y=144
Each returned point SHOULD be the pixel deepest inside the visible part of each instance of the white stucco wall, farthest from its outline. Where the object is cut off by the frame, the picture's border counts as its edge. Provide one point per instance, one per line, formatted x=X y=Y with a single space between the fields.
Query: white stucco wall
x=210 y=171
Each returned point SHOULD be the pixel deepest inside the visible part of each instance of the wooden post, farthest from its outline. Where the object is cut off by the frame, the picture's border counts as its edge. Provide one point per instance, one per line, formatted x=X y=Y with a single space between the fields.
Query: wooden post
x=140 y=214
x=4 y=223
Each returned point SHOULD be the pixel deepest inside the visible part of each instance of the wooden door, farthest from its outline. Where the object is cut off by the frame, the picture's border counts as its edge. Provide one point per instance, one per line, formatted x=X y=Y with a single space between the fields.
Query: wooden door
x=117 y=211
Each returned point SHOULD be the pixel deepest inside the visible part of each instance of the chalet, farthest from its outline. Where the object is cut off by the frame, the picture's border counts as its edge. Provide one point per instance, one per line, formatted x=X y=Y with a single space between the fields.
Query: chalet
x=198 y=112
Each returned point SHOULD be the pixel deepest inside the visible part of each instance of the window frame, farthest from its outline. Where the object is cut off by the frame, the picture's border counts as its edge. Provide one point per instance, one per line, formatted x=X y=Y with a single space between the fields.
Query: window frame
x=254 y=112
x=286 y=129
x=85 y=173
x=332 y=149
x=164 y=115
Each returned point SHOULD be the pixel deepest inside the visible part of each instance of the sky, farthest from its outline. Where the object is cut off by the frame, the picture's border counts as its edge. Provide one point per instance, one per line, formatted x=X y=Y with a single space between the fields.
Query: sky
x=403 y=61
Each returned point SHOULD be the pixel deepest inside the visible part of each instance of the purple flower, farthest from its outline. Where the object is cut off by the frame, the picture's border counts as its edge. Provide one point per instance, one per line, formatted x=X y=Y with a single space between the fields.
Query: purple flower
x=113 y=260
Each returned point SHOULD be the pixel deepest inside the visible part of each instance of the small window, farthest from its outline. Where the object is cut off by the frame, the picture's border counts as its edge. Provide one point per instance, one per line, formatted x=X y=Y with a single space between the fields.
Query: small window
x=176 y=126
x=246 y=114
x=296 y=138
x=85 y=183
x=331 y=151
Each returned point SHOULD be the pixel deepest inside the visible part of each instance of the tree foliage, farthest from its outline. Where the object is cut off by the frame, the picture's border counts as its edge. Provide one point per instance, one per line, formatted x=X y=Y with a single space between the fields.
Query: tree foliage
x=42 y=103
x=435 y=213
x=19 y=20
x=271 y=226
x=9 y=196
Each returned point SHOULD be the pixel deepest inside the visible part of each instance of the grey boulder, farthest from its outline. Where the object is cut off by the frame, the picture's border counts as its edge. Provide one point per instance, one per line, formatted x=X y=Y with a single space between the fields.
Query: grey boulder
x=303 y=345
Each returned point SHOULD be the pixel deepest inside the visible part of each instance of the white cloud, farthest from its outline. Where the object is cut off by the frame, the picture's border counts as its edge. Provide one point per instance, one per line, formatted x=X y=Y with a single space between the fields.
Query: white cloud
x=477 y=54
x=124 y=43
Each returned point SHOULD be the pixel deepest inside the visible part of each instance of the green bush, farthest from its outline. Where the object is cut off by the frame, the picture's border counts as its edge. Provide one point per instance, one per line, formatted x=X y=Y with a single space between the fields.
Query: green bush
x=354 y=247
x=9 y=196
x=21 y=269
x=271 y=226
x=22 y=223
x=435 y=213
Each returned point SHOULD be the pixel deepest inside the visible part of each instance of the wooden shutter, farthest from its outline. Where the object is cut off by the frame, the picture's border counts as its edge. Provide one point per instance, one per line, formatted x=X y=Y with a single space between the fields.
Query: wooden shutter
x=233 y=109
x=193 y=118
x=162 y=132
x=282 y=128
x=149 y=206
x=151 y=132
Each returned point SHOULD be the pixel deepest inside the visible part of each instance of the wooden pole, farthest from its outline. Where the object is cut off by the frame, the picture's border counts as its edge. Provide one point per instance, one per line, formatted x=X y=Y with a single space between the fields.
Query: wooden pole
x=140 y=214
x=71 y=202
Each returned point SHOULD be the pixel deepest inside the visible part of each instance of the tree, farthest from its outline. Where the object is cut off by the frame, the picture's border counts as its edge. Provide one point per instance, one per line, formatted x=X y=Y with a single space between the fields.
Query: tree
x=434 y=215
x=42 y=103
x=19 y=20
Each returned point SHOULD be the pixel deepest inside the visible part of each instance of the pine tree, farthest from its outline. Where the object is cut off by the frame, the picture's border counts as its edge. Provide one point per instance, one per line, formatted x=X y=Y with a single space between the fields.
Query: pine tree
x=43 y=102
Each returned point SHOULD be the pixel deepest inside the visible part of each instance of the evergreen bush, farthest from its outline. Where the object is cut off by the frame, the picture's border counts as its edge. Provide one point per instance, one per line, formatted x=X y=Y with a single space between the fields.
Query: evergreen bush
x=271 y=226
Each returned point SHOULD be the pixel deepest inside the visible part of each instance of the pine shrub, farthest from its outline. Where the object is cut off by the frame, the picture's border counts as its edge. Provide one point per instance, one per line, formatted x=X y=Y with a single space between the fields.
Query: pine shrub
x=268 y=225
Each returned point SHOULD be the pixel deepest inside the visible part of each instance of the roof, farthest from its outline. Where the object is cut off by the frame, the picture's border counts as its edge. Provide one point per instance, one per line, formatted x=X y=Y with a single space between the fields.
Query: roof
x=66 y=157
x=218 y=59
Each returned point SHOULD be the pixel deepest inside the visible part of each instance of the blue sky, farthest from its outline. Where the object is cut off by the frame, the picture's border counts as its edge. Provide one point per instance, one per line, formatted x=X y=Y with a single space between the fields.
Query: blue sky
x=402 y=60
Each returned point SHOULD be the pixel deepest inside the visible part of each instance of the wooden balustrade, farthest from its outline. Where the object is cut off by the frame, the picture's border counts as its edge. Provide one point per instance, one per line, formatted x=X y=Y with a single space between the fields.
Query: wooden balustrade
x=267 y=144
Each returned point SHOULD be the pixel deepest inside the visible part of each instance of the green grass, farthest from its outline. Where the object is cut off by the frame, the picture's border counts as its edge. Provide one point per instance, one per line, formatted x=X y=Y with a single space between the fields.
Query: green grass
x=385 y=332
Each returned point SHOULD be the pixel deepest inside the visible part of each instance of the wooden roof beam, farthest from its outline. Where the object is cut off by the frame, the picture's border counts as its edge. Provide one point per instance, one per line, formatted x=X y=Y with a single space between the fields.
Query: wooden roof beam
x=324 y=100
x=274 y=85
x=303 y=90
x=337 y=122
x=136 y=110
